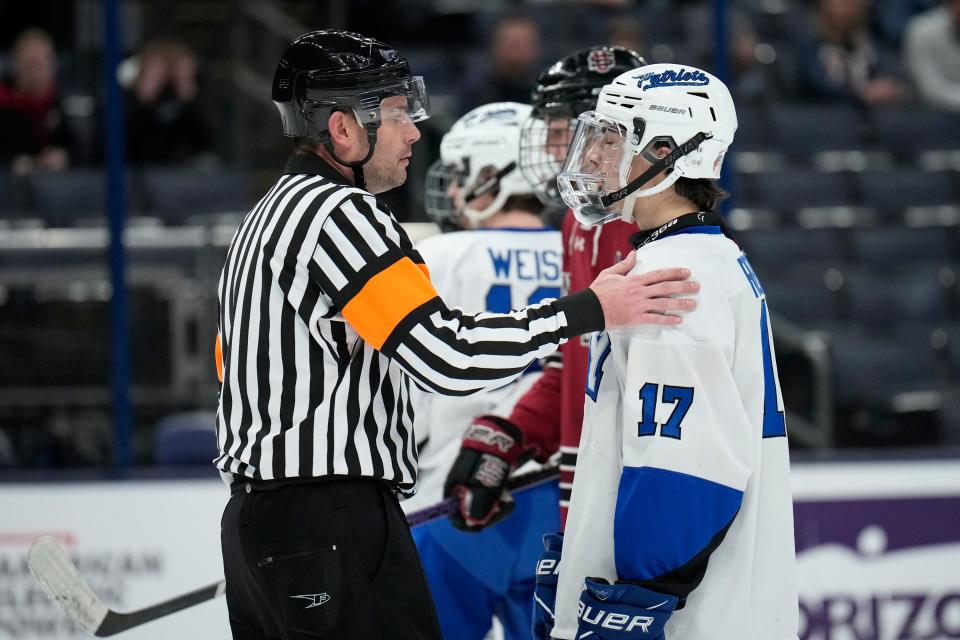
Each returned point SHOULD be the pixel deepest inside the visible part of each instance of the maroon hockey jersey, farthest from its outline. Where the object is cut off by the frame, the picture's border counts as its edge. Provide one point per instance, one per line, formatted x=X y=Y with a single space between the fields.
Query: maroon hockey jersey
x=551 y=413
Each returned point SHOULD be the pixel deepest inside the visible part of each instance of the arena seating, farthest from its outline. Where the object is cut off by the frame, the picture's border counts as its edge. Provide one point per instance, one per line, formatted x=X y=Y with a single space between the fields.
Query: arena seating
x=802 y=130
x=177 y=195
x=63 y=198
x=168 y=196
x=879 y=279
x=185 y=438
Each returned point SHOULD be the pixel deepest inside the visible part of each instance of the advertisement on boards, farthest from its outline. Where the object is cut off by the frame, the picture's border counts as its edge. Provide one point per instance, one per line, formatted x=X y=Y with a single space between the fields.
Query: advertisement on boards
x=878 y=551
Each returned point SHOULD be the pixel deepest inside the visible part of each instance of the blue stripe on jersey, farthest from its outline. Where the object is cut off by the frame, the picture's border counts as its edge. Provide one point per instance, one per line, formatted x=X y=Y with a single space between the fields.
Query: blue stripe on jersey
x=774 y=424
x=665 y=518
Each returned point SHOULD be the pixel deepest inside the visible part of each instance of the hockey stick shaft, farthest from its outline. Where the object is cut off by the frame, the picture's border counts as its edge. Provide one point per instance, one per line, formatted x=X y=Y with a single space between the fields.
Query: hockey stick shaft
x=116 y=622
x=58 y=575
x=514 y=484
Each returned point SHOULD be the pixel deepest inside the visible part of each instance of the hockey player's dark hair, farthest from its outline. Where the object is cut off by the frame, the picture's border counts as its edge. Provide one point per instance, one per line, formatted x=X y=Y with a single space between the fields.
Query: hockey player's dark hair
x=706 y=194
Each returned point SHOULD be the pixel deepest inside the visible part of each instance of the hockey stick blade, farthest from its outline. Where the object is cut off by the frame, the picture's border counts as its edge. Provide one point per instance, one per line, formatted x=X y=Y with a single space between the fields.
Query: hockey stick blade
x=58 y=576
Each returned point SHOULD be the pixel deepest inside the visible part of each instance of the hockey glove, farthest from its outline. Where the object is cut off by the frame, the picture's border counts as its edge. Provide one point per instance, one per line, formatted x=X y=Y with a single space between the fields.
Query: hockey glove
x=545 y=590
x=491 y=449
x=623 y=611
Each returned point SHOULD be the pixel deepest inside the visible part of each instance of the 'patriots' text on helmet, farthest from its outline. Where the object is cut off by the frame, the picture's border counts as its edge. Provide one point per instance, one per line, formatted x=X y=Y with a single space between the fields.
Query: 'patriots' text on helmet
x=477 y=171
x=563 y=91
x=642 y=112
x=329 y=70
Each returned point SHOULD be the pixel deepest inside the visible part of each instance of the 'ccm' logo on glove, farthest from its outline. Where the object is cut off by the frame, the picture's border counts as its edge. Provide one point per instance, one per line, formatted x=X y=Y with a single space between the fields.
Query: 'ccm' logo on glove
x=489 y=436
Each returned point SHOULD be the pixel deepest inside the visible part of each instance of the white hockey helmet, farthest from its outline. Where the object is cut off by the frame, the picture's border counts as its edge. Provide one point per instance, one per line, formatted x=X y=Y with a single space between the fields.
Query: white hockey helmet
x=478 y=158
x=682 y=107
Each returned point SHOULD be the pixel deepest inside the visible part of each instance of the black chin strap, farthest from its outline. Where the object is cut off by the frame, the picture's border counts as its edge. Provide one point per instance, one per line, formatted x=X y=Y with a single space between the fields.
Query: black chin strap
x=489 y=183
x=358 y=179
x=665 y=162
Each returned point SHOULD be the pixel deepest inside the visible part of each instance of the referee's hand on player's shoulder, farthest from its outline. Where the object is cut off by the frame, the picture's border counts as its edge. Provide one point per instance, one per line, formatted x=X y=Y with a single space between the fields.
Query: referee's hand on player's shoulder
x=644 y=298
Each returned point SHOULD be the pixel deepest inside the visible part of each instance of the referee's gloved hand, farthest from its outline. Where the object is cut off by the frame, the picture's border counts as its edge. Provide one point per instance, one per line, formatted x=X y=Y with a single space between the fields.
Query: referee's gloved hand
x=492 y=447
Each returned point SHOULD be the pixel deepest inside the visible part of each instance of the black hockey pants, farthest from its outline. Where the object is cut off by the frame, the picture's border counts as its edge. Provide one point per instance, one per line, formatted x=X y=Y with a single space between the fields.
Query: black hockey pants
x=329 y=559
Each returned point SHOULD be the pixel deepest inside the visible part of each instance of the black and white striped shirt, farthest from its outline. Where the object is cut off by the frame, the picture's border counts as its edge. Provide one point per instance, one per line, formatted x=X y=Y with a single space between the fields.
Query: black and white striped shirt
x=327 y=312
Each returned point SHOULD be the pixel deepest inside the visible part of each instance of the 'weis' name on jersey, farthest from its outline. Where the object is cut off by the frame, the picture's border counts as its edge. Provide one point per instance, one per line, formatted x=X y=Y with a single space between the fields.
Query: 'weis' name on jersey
x=525 y=264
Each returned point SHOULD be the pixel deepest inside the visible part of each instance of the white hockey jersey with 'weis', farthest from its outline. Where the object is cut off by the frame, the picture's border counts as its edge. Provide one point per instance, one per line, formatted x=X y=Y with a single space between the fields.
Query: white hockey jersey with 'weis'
x=682 y=482
x=481 y=270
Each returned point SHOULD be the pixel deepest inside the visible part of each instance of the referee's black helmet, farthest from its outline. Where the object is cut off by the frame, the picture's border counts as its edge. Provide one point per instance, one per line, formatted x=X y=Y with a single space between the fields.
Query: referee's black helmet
x=329 y=70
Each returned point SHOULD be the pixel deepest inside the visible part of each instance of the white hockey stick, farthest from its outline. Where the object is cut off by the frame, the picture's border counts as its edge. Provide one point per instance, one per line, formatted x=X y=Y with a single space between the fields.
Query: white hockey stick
x=59 y=577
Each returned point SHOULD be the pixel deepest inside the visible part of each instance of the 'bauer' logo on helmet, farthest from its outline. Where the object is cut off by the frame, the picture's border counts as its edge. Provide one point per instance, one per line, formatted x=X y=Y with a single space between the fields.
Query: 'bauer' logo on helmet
x=600 y=60
x=671 y=78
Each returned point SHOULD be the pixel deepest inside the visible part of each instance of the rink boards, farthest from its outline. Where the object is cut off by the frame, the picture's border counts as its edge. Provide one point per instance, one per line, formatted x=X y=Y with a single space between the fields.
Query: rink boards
x=878 y=550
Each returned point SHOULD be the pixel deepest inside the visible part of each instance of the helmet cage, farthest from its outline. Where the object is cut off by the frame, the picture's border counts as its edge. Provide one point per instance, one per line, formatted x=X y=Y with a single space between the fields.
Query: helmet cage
x=442 y=183
x=543 y=147
x=449 y=198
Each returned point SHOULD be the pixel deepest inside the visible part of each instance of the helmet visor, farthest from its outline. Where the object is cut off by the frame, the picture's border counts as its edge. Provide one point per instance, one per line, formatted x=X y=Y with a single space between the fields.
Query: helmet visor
x=597 y=164
x=544 y=141
x=378 y=104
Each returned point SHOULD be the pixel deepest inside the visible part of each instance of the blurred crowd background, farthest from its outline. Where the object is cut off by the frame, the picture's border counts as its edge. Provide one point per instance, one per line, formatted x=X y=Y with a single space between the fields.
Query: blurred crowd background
x=845 y=176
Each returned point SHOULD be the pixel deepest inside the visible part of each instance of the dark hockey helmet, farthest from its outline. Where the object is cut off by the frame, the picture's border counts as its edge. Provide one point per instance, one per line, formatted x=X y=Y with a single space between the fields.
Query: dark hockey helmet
x=328 y=70
x=572 y=84
x=563 y=91
x=324 y=70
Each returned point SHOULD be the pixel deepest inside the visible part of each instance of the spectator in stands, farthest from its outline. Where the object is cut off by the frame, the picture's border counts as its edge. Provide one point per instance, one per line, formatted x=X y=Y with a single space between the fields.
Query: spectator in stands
x=840 y=62
x=512 y=66
x=754 y=77
x=164 y=123
x=931 y=50
x=33 y=133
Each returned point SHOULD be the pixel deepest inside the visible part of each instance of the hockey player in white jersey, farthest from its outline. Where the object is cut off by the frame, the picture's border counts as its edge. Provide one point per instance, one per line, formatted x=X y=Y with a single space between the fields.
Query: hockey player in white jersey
x=503 y=259
x=680 y=523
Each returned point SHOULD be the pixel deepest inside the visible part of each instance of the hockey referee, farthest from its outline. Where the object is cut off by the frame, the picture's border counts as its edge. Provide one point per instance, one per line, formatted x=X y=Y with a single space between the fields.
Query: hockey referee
x=327 y=318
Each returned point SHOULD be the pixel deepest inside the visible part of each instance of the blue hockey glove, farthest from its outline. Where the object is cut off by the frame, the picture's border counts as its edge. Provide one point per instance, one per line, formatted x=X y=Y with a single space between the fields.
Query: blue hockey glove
x=545 y=591
x=623 y=611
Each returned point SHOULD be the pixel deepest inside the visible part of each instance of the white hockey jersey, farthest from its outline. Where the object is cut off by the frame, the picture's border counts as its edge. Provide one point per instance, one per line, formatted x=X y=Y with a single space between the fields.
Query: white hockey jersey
x=684 y=458
x=486 y=269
